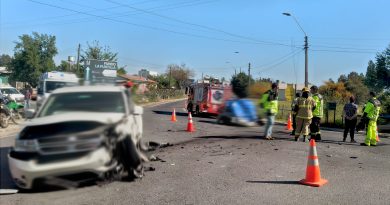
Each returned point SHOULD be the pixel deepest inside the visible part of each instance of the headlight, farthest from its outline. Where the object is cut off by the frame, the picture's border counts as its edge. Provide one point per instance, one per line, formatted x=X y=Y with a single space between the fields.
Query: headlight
x=26 y=145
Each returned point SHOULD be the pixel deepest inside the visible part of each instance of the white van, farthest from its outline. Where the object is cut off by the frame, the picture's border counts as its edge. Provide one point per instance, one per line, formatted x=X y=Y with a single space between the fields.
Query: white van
x=50 y=81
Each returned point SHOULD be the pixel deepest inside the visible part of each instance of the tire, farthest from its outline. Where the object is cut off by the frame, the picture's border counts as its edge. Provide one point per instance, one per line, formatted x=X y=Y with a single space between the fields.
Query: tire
x=16 y=117
x=130 y=158
x=3 y=120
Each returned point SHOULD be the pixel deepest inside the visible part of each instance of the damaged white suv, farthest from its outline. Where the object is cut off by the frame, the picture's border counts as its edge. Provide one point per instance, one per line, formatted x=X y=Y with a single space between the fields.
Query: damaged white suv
x=79 y=133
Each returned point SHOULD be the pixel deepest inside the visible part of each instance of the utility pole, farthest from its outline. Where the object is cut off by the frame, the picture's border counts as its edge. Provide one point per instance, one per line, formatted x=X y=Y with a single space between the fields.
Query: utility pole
x=78 y=59
x=249 y=74
x=306 y=62
x=170 y=76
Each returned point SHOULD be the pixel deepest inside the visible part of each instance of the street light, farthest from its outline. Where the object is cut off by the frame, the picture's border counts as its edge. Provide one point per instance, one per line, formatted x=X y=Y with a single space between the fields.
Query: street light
x=306 y=48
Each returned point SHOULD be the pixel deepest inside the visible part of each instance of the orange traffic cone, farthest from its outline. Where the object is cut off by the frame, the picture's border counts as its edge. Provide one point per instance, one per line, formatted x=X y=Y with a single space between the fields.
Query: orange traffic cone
x=377 y=135
x=190 y=125
x=289 y=123
x=173 y=118
x=313 y=175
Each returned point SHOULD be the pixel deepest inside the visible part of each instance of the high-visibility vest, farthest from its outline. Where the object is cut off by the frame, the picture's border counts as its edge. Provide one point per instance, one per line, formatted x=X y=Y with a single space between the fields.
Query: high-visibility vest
x=270 y=106
x=319 y=110
x=372 y=108
x=305 y=107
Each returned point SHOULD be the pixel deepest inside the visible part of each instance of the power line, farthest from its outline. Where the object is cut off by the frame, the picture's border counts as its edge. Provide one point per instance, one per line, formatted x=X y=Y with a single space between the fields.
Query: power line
x=197 y=25
x=342 y=51
x=282 y=61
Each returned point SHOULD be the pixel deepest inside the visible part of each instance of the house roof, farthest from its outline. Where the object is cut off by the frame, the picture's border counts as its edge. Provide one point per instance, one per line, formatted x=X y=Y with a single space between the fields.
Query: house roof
x=137 y=79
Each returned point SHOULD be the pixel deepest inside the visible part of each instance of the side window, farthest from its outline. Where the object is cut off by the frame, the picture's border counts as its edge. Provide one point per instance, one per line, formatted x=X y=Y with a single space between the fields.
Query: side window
x=40 y=88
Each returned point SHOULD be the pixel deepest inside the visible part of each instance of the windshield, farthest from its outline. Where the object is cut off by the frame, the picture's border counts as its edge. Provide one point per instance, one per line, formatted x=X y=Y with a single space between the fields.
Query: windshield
x=7 y=91
x=52 y=85
x=104 y=102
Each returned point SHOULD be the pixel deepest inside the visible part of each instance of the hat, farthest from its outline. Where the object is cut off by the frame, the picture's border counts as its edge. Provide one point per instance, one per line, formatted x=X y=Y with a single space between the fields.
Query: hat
x=305 y=89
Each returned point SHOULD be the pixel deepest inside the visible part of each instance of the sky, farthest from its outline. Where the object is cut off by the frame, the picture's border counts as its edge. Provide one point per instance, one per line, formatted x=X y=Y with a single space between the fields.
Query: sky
x=212 y=37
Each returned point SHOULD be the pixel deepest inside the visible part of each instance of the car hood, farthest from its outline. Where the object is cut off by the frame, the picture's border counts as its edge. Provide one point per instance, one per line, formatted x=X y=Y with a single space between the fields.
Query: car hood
x=104 y=118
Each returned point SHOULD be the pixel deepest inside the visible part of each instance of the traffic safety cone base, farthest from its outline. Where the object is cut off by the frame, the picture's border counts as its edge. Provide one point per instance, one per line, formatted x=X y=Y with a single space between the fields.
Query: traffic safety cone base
x=313 y=174
x=190 y=125
x=289 y=123
x=173 y=118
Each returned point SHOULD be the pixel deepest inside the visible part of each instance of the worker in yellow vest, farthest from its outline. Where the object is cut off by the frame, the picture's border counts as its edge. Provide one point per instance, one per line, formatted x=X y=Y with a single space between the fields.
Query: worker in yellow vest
x=318 y=112
x=269 y=102
x=371 y=114
x=304 y=109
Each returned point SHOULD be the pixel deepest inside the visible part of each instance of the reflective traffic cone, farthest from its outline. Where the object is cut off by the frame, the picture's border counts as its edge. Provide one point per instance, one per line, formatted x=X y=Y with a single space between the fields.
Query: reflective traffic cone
x=377 y=135
x=313 y=175
x=289 y=123
x=190 y=125
x=173 y=118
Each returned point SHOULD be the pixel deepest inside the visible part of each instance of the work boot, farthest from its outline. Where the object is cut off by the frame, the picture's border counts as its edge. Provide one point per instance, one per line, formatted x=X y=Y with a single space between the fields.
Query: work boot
x=304 y=139
x=363 y=144
x=268 y=138
x=353 y=141
x=296 y=138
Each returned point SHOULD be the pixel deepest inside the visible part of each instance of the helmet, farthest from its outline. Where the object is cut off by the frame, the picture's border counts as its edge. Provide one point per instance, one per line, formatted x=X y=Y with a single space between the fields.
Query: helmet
x=314 y=88
x=128 y=84
x=305 y=89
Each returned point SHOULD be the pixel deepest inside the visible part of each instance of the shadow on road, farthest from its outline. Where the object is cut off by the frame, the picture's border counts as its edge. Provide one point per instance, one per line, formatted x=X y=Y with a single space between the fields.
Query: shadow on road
x=235 y=137
x=5 y=176
x=170 y=113
x=275 y=182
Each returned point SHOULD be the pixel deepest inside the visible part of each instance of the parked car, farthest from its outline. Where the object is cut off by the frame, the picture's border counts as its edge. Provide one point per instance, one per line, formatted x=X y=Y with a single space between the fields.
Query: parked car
x=13 y=93
x=79 y=133
x=384 y=123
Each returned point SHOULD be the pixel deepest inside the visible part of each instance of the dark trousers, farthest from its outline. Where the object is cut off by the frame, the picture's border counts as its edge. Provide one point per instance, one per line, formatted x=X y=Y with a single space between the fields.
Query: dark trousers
x=350 y=126
x=294 y=124
x=315 y=128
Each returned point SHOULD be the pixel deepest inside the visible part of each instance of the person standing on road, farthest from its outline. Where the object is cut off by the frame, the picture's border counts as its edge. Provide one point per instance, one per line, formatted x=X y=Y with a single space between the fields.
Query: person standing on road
x=350 y=113
x=294 y=114
x=371 y=114
x=318 y=112
x=27 y=98
x=304 y=109
x=269 y=102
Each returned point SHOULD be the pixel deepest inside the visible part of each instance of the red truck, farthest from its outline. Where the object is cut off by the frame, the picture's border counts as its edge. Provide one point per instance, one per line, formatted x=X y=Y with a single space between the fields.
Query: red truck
x=207 y=97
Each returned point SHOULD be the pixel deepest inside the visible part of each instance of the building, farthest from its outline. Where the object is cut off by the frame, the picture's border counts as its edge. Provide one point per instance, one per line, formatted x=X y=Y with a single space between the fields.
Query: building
x=145 y=73
x=4 y=75
x=287 y=90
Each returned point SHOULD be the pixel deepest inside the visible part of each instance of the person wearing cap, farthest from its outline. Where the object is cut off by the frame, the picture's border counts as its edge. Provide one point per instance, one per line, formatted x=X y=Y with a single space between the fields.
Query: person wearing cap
x=350 y=118
x=371 y=114
x=304 y=109
x=318 y=112
x=269 y=102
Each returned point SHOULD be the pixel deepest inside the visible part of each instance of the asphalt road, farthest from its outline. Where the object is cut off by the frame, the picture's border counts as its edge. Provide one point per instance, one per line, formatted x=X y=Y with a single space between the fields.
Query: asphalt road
x=220 y=164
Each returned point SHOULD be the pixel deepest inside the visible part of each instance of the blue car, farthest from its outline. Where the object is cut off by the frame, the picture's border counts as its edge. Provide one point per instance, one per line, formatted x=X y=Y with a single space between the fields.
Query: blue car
x=239 y=112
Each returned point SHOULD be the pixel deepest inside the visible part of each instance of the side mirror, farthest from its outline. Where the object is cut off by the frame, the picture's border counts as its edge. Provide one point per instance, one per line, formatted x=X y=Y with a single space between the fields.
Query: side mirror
x=138 y=110
x=29 y=113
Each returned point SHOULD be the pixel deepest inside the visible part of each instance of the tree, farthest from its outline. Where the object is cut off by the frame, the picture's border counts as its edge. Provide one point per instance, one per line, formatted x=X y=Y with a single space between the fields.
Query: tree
x=370 y=80
x=64 y=66
x=180 y=73
x=240 y=84
x=334 y=92
x=121 y=71
x=33 y=56
x=355 y=85
x=98 y=52
x=5 y=60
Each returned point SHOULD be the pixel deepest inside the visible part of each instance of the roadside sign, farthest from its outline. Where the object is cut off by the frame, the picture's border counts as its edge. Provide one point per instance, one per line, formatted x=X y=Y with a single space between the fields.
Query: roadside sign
x=100 y=71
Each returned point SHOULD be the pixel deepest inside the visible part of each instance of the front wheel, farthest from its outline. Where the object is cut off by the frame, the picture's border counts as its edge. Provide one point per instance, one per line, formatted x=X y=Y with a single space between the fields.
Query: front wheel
x=16 y=117
x=3 y=120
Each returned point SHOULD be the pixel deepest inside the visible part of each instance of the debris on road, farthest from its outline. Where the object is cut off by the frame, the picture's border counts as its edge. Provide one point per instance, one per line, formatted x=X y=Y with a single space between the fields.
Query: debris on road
x=353 y=157
x=8 y=191
x=151 y=145
x=150 y=169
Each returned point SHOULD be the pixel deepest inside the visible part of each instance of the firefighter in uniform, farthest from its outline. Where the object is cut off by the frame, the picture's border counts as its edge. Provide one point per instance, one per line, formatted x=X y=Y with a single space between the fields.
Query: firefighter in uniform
x=304 y=109
x=294 y=114
x=318 y=112
x=269 y=102
x=370 y=115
